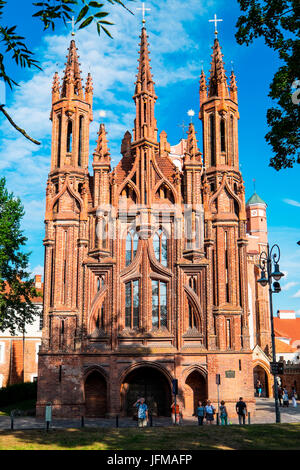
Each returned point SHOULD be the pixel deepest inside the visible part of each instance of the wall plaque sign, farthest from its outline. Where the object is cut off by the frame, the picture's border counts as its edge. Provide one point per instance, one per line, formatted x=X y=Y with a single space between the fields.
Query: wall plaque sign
x=230 y=374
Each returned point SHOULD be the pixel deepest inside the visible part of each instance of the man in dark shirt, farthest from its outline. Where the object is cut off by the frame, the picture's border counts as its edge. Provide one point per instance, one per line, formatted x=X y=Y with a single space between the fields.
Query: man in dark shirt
x=241 y=409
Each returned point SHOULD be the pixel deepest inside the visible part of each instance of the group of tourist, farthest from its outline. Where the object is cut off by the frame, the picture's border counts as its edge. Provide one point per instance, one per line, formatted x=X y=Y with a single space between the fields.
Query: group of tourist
x=205 y=412
x=284 y=397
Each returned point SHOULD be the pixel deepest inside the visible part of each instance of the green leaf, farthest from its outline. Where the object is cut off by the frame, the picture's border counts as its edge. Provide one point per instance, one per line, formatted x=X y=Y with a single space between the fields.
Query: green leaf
x=101 y=14
x=82 y=13
x=106 y=31
x=106 y=22
x=86 y=22
x=96 y=4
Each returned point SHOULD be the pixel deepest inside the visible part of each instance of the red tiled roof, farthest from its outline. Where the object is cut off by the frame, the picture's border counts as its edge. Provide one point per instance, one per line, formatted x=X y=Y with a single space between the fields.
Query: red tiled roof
x=282 y=347
x=287 y=328
x=35 y=300
x=166 y=166
x=123 y=169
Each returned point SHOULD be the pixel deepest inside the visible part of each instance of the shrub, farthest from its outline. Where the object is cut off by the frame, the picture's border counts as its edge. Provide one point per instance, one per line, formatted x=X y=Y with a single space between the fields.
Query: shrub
x=18 y=393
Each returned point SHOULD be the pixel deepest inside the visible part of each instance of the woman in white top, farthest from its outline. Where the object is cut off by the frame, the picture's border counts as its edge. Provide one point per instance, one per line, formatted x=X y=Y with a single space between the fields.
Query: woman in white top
x=209 y=412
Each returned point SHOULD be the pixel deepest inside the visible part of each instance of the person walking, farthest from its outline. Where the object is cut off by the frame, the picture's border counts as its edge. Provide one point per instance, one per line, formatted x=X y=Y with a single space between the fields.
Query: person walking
x=259 y=388
x=280 y=396
x=223 y=413
x=294 y=397
x=142 y=412
x=177 y=413
x=241 y=409
x=200 y=411
x=209 y=412
x=285 y=398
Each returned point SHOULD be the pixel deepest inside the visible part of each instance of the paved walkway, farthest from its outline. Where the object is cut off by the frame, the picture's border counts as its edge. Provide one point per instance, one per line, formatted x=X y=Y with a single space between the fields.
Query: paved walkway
x=265 y=413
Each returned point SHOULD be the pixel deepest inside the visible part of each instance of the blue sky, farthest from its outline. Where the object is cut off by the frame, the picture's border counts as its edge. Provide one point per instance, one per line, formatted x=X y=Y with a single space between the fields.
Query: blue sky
x=180 y=38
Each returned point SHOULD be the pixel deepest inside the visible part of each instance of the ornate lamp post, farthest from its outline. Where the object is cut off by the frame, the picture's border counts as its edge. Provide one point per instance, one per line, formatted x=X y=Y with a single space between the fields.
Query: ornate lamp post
x=266 y=262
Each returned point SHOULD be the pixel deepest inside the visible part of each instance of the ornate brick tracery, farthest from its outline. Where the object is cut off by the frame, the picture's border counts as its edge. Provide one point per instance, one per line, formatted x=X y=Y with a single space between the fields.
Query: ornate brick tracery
x=179 y=307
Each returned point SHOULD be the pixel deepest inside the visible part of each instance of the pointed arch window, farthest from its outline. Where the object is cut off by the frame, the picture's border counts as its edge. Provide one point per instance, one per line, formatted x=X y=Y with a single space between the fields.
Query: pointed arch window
x=222 y=135
x=69 y=136
x=100 y=281
x=132 y=304
x=100 y=318
x=212 y=139
x=228 y=334
x=80 y=140
x=159 y=304
x=232 y=138
x=58 y=141
x=193 y=283
x=132 y=241
x=192 y=318
x=160 y=246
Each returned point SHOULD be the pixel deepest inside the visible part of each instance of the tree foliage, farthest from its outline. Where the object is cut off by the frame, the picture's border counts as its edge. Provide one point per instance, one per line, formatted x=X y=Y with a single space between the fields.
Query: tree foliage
x=278 y=22
x=16 y=287
x=13 y=47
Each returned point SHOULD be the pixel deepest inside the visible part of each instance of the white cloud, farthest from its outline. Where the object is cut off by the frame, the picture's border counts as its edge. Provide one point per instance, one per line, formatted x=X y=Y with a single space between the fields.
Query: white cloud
x=289 y=285
x=291 y=202
x=297 y=295
x=38 y=270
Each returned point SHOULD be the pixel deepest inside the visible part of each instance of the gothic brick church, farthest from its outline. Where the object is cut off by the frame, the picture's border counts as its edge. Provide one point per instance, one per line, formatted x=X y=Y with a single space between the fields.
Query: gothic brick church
x=150 y=267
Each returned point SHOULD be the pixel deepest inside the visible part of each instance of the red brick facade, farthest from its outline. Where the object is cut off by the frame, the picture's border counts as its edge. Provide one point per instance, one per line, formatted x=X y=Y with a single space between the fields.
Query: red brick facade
x=124 y=314
x=18 y=352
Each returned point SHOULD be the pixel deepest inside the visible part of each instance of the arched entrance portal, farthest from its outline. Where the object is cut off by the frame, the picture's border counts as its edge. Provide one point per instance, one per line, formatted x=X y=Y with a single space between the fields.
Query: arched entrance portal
x=259 y=373
x=151 y=384
x=195 y=390
x=95 y=395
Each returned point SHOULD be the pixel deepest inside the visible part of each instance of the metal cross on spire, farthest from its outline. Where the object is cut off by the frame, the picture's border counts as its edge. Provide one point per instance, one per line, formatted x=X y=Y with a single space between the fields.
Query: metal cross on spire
x=215 y=20
x=143 y=10
x=183 y=126
x=73 y=25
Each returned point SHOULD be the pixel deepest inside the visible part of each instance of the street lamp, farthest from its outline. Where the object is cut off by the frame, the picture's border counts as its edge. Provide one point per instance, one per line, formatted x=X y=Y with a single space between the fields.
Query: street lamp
x=266 y=262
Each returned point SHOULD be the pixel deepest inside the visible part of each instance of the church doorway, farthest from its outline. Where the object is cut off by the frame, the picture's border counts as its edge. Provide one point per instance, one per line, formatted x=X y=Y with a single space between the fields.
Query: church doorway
x=151 y=384
x=195 y=390
x=260 y=374
x=95 y=395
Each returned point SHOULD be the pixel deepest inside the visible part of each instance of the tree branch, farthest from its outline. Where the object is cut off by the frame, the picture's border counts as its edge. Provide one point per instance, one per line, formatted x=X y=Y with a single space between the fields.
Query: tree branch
x=22 y=131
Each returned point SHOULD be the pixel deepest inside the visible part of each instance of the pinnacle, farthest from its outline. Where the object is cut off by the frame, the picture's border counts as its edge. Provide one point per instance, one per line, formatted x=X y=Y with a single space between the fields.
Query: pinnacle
x=72 y=78
x=218 y=79
x=102 y=150
x=192 y=147
x=144 y=70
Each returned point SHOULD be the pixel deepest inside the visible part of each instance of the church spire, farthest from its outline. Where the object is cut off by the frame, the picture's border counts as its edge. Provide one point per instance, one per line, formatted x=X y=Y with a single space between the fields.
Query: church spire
x=219 y=114
x=72 y=80
x=218 y=80
x=144 y=97
x=192 y=150
x=233 y=87
x=55 y=88
x=101 y=153
x=203 y=87
x=71 y=115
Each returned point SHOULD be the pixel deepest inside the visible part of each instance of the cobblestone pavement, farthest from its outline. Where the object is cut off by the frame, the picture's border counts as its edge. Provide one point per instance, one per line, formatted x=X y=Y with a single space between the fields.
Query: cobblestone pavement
x=265 y=413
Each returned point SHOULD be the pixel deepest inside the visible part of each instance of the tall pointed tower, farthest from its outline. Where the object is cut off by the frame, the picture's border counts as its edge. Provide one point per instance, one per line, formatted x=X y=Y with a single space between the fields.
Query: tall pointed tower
x=144 y=143
x=66 y=208
x=225 y=216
